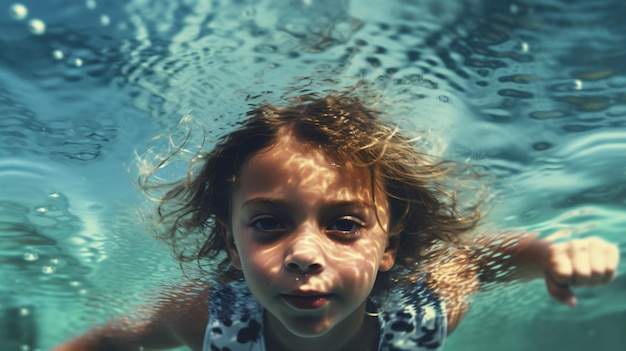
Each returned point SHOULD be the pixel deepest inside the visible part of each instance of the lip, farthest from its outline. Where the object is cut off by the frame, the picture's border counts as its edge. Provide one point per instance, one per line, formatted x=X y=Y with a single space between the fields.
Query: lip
x=307 y=300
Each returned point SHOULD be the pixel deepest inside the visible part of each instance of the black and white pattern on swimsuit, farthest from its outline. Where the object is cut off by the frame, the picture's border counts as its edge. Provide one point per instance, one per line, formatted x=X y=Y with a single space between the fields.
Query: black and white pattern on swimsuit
x=236 y=320
x=413 y=319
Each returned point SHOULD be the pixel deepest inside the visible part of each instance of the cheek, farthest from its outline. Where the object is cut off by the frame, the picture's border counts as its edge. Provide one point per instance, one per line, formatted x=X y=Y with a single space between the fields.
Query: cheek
x=359 y=263
x=258 y=259
x=255 y=258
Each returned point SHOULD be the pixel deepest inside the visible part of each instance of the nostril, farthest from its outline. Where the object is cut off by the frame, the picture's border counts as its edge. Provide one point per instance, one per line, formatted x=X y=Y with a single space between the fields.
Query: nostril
x=316 y=267
x=310 y=268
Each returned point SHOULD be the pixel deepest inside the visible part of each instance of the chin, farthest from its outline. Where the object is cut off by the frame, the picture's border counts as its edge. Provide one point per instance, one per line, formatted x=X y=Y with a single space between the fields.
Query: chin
x=306 y=327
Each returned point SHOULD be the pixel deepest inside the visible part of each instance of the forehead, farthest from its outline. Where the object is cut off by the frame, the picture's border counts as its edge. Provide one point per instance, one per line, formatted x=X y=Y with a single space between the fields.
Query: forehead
x=290 y=165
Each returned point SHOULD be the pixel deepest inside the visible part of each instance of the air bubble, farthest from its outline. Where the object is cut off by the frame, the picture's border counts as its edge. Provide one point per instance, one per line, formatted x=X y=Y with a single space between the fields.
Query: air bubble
x=525 y=47
x=105 y=20
x=19 y=11
x=24 y=312
x=47 y=269
x=78 y=62
x=578 y=84
x=41 y=210
x=58 y=55
x=31 y=256
x=91 y=4
x=37 y=26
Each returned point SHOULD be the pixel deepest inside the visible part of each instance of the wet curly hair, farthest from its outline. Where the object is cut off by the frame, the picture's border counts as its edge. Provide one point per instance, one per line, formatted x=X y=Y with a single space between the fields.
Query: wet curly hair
x=425 y=210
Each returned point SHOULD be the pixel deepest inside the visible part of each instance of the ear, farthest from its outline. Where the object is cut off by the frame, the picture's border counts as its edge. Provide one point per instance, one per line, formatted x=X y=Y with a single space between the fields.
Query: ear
x=389 y=256
x=233 y=253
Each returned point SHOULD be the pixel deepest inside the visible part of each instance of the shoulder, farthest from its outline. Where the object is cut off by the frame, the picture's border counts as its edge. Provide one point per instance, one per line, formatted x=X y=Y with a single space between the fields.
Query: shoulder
x=453 y=279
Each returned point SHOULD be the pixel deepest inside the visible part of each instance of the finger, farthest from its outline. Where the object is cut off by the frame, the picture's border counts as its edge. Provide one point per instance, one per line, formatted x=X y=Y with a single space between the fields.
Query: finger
x=611 y=254
x=597 y=261
x=560 y=264
x=581 y=266
x=560 y=292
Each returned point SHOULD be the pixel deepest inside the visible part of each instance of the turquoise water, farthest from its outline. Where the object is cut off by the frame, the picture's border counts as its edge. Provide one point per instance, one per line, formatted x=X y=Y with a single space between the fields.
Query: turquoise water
x=534 y=91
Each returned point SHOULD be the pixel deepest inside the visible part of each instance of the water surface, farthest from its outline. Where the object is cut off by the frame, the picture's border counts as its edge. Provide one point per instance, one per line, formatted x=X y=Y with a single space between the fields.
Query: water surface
x=534 y=91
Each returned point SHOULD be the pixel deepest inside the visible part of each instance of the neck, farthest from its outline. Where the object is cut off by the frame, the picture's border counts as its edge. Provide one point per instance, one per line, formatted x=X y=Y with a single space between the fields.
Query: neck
x=357 y=332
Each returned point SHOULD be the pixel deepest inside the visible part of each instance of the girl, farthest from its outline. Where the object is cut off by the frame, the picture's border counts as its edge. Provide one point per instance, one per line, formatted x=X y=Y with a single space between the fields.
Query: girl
x=327 y=230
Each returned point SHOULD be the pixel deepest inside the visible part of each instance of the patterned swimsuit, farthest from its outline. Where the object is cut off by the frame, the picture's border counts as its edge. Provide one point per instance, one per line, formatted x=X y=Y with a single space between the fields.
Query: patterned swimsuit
x=413 y=319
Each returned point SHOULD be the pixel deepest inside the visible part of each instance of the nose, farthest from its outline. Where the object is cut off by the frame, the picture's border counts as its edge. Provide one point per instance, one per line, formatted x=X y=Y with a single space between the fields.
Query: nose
x=305 y=254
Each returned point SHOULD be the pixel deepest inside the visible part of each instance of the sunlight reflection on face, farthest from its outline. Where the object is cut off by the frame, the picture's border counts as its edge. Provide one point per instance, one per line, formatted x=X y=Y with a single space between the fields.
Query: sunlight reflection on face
x=289 y=212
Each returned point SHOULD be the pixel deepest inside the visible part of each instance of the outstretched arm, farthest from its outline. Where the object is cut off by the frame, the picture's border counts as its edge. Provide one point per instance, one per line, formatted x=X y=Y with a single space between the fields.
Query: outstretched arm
x=179 y=320
x=509 y=257
x=586 y=262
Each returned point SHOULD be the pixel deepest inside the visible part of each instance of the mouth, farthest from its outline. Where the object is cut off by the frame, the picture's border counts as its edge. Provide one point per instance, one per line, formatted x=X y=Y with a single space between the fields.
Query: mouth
x=307 y=300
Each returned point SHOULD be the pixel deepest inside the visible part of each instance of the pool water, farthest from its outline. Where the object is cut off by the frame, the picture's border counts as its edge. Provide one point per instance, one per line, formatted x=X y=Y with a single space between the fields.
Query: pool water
x=533 y=91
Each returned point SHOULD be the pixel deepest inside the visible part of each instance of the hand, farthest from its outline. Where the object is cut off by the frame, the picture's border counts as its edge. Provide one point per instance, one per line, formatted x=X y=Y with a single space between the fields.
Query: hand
x=581 y=262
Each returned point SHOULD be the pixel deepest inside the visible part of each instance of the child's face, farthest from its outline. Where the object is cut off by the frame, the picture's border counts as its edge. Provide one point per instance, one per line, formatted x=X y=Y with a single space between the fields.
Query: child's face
x=308 y=238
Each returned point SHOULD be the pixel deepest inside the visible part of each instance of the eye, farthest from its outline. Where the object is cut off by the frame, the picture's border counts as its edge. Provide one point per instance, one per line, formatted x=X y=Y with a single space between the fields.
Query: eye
x=268 y=224
x=346 y=226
